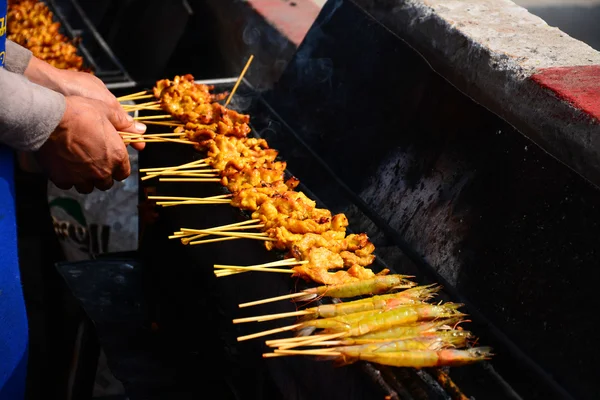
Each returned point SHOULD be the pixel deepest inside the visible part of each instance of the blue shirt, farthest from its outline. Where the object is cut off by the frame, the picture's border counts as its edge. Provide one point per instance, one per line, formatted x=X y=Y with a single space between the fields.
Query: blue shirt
x=13 y=319
x=2 y=32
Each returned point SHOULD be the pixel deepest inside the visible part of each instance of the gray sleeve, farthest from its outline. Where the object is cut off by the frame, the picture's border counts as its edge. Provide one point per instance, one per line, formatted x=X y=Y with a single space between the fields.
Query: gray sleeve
x=29 y=113
x=17 y=58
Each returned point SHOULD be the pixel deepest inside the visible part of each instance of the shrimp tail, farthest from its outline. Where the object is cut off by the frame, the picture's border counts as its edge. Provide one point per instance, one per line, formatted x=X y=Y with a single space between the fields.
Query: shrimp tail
x=306 y=331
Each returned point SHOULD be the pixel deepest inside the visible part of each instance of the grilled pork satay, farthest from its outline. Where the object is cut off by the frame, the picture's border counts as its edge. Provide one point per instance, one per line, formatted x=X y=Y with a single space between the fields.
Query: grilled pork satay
x=31 y=24
x=325 y=277
x=182 y=94
x=351 y=251
x=249 y=169
x=253 y=177
x=195 y=104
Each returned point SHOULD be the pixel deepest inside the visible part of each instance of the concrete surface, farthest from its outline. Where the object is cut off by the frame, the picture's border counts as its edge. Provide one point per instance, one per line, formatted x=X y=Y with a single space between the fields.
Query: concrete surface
x=489 y=49
x=578 y=18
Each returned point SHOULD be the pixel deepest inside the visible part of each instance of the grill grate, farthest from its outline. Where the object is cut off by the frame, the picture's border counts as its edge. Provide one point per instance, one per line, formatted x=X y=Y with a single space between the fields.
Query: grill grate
x=96 y=53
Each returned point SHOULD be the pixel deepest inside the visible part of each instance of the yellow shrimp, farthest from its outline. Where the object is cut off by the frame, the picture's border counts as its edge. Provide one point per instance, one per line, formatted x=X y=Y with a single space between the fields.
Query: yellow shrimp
x=417 y=343
x=418 y=358
x=373 y=320
x=373 y=286
x=448 y=335
x=399 y=316
x=411 y=330
x=414 y=295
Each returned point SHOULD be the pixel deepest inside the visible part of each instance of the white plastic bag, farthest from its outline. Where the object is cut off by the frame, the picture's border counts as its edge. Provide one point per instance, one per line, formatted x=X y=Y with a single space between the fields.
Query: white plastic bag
x=100 y=222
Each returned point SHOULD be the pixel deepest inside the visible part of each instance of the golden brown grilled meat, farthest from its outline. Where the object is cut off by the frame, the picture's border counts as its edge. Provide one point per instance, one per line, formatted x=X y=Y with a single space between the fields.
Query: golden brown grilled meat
x=251 y=172
x=31 y=24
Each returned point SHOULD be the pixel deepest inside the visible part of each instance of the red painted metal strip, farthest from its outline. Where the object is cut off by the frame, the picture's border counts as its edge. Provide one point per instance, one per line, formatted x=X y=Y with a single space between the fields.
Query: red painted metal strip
x=293 y=18
x=579 y=85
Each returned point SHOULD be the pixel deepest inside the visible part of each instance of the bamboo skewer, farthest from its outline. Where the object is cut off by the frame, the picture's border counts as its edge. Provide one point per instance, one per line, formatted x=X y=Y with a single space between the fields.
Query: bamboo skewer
x=129 y=96
x=312 y=340
x=140 y=138
x=259 y=236
x=223 y=196
x=164 y=123
x=239 y=80
x=191 y=202
x=155 y=172
x=269 y=332
x=190 y=179
x=193 y=174
x=282 y=263
x=263 y=301
x=275 y=342
x=234 y=267
x=195 y=233
x=152 y=117
x=187 y=165
x=215 y=240
x=270 y=317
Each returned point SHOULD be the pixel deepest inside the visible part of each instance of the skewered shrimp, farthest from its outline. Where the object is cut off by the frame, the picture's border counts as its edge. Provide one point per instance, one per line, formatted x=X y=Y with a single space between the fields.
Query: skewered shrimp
x=416 y=294
x=417 y=358
x=374 y=320
x=373 y=286
x=418 y=343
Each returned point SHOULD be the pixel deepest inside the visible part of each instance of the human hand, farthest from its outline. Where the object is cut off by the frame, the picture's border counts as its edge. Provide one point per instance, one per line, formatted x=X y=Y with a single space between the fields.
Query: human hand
x=82 y=84
x=85 y=150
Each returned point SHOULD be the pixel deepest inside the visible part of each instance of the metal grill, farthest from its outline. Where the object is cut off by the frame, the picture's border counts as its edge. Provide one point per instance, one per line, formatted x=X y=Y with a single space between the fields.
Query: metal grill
x=96 y=53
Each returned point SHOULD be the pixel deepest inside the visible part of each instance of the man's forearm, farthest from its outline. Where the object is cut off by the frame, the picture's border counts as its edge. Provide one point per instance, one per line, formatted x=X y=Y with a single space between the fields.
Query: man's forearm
x=17 y=58
x=29 y=113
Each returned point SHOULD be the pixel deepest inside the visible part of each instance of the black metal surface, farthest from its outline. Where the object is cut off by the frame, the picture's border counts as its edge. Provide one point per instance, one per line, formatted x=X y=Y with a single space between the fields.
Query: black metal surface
x=97 y=55
x=188 y=285
x=195 y=308
x=473 y=203
x=110 y=292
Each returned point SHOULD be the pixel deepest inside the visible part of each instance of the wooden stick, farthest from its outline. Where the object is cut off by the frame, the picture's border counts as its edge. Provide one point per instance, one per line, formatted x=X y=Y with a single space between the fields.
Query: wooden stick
x=187 y=240
x=184 y=202
x=196 y=171
x=312 y=340
x=269 y=332
x=163 y=123
x=281 y=263
x=237 y=225
x=259 y=269
x=148 y=103
x=152 y=117
x=190 y=180
x=163 y=134
x=127 y=96
x=147 y=96
x=195 y=175
x=190 y=164
x=263 y=301
x=325 y=352
x=145 y=106
x=227 y=231
x=275 y=342
x=214 y=240
x=141 y=139
x=242 y=236
x=269 y=317
x=221 y=196
x=239 y=80
x=222 y=227
x=196 y=236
